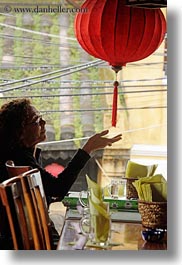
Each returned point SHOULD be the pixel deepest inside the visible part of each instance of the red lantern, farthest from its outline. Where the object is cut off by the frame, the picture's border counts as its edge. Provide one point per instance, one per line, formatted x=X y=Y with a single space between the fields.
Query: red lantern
x=119 y=34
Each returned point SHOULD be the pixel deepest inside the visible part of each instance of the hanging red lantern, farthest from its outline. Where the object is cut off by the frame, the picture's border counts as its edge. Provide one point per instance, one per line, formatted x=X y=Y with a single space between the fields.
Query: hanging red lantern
x=119 y=34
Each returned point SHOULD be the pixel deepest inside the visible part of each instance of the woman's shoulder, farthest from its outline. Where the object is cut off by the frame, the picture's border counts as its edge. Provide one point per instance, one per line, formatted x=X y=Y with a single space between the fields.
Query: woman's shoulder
x=24 y=157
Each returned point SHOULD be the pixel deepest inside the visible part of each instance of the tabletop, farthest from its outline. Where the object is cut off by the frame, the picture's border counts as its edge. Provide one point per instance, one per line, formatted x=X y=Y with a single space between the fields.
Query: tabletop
x=125 y=235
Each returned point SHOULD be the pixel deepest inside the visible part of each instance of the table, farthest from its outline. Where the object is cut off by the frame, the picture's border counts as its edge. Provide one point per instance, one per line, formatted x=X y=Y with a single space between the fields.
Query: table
x=124 y=235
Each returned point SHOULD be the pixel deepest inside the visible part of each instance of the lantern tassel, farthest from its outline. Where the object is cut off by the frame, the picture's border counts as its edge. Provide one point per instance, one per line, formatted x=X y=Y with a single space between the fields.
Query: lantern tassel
x=115 y=104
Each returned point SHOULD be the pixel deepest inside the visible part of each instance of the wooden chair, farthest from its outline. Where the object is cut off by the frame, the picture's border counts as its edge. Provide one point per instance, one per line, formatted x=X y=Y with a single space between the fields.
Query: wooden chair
x=12 y=199
x=27 y=212
x=15 y=170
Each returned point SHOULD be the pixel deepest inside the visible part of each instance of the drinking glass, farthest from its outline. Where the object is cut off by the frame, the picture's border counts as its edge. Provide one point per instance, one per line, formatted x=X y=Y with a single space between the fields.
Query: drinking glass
x=116 y=189
x=97 y=225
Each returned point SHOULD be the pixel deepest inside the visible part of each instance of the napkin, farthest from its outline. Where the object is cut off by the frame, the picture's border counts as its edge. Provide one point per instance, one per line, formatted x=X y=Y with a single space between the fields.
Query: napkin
x=152 y=188
x=92 y=185
x=97 y=206
x=134 y=170
x=100 y=217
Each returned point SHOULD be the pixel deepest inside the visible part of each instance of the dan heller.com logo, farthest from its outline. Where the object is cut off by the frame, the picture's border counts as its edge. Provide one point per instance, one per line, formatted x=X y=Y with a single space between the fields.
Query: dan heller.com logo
x=42 y=9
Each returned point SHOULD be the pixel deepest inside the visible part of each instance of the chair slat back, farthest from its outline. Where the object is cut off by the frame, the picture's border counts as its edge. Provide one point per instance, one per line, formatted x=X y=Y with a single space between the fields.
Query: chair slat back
x=9 y=202
x=41 y=210
x=27 y=211
x=22 y=215
x=30 y=185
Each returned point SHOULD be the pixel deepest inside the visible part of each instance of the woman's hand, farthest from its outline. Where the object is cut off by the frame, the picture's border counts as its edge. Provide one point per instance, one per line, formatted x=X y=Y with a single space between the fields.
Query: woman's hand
x=97 y=141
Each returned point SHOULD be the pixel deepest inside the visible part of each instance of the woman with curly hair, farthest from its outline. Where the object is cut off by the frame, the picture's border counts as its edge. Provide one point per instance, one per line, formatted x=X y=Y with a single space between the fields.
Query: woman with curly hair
x=22 y=128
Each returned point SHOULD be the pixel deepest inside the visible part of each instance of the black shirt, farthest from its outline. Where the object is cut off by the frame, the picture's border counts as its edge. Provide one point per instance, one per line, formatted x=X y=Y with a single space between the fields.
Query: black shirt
x=54 y=187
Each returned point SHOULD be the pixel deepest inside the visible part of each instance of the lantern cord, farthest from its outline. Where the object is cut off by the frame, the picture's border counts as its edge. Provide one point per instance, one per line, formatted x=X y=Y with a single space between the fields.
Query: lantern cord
x=115 y=96
x=115 y=102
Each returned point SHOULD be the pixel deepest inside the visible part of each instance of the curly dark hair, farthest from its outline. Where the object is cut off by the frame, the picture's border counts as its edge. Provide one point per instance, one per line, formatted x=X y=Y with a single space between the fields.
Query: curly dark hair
x=13 y=116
